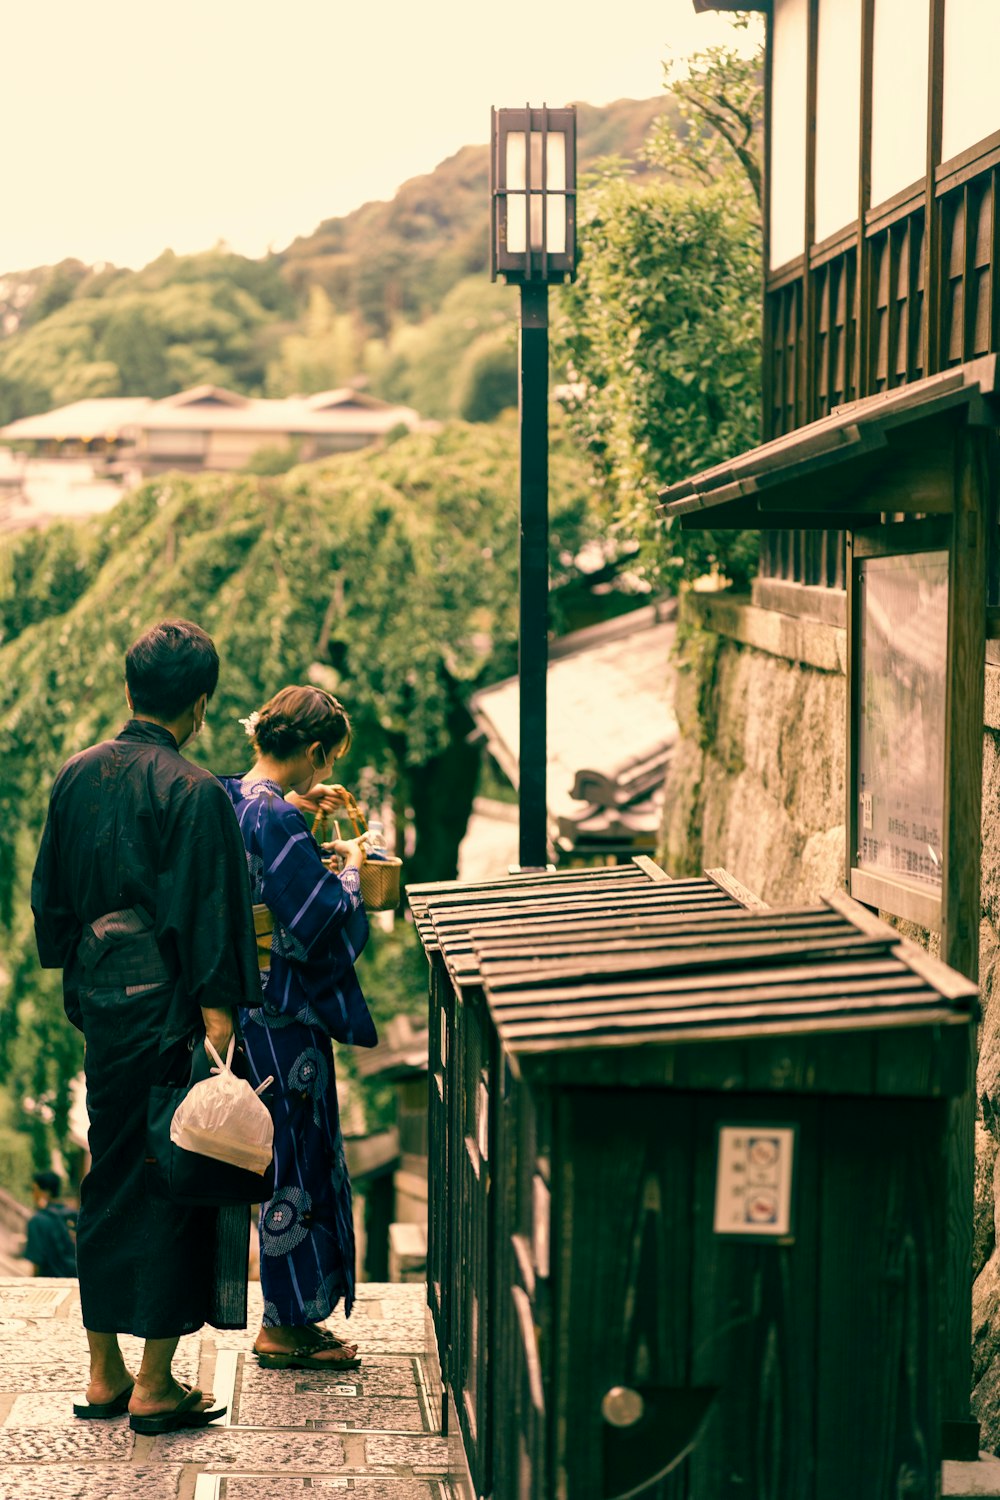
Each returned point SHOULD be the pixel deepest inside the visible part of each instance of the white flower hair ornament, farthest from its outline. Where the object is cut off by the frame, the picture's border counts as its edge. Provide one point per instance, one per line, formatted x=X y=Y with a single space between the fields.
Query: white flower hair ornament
x=250 y=723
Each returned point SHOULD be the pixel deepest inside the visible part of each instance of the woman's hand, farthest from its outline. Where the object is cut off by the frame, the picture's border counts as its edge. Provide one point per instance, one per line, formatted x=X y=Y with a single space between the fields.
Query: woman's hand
x=321 y=798
x=352 y=851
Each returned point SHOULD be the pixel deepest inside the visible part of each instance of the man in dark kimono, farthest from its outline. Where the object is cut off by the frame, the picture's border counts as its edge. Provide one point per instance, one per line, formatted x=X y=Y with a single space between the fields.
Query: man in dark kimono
x=141 y=897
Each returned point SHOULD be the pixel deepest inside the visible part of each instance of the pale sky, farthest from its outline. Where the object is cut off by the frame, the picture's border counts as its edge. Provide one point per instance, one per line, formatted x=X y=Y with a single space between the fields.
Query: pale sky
x=130 y=126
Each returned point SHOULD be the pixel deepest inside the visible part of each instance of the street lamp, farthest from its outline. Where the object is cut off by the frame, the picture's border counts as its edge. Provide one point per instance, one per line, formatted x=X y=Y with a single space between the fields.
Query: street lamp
x=533 y=243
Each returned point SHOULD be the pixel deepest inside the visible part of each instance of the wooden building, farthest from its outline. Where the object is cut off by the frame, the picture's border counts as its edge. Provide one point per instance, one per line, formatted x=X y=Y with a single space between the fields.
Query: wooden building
x=881 y=241
x=876 y=488
x=208 y=427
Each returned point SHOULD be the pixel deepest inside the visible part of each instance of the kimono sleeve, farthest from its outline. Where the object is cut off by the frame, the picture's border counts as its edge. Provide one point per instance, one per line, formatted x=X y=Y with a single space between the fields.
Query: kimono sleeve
x=57 y=927
x=203 y=900
x=306 y=898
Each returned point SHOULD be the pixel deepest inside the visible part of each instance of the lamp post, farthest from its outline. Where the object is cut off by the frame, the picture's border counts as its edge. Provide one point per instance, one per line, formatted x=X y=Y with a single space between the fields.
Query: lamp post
x=533 y=243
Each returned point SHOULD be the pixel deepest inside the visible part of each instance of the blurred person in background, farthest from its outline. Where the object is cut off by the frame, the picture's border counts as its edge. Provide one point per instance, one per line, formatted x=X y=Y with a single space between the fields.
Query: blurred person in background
x=49 y=1245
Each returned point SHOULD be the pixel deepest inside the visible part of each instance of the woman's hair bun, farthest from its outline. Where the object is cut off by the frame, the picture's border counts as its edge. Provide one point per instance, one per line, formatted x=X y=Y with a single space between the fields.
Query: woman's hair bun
x=299 y=716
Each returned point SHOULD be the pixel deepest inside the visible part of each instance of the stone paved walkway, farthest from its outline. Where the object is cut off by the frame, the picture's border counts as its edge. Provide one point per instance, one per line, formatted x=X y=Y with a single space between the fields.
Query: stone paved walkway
x=288 y=1434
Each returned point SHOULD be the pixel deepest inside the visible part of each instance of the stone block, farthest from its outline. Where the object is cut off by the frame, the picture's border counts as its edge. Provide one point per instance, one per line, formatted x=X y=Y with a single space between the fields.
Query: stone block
x=70 y=1481
x=984 y=1209
x=299 y=1487
x=961 y=1481
x=313 y=1409
x=251 y=1448
x=427 y=1455
x=407 y=1252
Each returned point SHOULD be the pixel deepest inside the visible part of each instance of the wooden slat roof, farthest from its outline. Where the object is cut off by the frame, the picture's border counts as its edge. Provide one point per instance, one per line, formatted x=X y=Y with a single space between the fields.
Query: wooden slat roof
x=726 y=973
x=611 y=904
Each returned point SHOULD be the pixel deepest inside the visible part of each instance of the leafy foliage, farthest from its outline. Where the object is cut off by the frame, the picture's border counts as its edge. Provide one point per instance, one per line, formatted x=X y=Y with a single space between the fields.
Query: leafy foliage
x=179 y=322
x=718 y=117
x=660 y=332
x=388 y=575
x=431 y=365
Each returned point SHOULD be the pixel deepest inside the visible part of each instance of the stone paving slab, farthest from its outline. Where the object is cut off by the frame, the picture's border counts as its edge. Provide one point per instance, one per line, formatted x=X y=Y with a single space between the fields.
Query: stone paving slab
x=252 y=1448
x=424 y=1455
x=289 y=1433
x=378 y=1376
x=86 y=1442
x=72 y=1482
x=22 y=1369
x=332 y=1413
x=241 y=1487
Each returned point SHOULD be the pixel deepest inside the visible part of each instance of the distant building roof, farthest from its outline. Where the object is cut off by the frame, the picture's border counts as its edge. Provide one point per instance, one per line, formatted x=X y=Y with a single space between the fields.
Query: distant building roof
x=401 y=1051
x=611 y=728
x=212 y=408
x=101 y=417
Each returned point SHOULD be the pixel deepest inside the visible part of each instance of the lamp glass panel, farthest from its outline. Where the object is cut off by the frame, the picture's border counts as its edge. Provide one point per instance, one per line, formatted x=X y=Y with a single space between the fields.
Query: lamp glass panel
x=971 y=95
x=901 y=47
x=788 y=130
x=517 y=233
x=555 y=182
x=838 y=115
x=555 y=192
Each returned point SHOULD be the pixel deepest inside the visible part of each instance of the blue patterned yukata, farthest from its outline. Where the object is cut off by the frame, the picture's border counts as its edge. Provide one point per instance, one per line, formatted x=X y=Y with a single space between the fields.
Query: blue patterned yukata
x=311 y=993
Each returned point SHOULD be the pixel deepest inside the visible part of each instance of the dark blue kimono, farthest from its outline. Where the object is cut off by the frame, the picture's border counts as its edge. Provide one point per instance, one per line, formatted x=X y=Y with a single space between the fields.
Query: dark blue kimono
x=311 y=993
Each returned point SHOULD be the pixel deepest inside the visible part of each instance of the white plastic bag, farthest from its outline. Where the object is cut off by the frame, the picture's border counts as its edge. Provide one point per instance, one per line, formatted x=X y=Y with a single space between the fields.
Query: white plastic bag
x=222 y=1117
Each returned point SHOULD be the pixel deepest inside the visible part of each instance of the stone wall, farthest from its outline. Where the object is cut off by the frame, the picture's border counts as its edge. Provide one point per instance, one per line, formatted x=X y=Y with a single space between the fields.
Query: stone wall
x=756 y=785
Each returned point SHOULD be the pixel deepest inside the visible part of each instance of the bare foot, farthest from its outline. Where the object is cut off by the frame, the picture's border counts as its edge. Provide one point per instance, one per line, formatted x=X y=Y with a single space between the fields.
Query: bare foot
x=321 y=1345
x=329 y=1338
x=105 y=1388
x=148 y=1401
x=309 y=1336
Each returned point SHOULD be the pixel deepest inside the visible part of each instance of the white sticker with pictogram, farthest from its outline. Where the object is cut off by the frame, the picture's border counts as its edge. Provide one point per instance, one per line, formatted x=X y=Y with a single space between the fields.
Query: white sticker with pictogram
x=753 y=1186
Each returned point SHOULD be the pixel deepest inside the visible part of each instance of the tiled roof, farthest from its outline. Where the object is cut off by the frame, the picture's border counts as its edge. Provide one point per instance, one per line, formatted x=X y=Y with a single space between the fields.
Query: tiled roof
x=610 y=725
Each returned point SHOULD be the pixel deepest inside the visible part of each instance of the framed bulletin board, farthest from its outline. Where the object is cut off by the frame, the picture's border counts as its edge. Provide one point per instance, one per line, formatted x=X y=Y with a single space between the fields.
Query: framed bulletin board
x=915 y=727
x=898 y=597
x=902 y=603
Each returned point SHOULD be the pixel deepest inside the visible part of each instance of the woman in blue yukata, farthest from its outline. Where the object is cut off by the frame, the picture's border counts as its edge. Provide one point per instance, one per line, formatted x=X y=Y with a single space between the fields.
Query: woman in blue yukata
x=311 y=994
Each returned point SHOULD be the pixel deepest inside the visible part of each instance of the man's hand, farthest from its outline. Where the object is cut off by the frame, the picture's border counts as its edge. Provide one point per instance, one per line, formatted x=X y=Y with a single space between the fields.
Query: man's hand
x=322 y=798
x=218 y=1029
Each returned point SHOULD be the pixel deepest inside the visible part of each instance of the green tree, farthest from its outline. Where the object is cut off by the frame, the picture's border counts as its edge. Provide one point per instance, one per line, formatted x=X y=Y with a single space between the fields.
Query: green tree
x=486 y=379
x=660 y=332
x=327 y=353
x=389 y=575
x=717 y=117
x=178 y=322
x=423 y=364
x=136 y=347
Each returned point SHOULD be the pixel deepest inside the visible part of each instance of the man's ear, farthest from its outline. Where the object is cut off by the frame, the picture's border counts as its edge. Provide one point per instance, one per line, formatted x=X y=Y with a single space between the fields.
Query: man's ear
x=200 y=708
x=128 y=700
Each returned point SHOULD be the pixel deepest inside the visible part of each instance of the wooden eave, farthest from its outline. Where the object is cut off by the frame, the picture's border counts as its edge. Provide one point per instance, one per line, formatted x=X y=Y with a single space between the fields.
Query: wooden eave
x=823 y=476
x=705 y=5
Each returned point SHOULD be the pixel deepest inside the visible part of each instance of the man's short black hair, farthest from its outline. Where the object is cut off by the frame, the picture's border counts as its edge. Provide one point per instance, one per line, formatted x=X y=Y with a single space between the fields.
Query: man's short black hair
x=169 y=667
x=48 y=1182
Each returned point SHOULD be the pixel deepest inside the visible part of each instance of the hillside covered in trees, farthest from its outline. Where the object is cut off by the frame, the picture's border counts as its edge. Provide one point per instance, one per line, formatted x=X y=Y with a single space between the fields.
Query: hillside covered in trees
x=337 y=303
